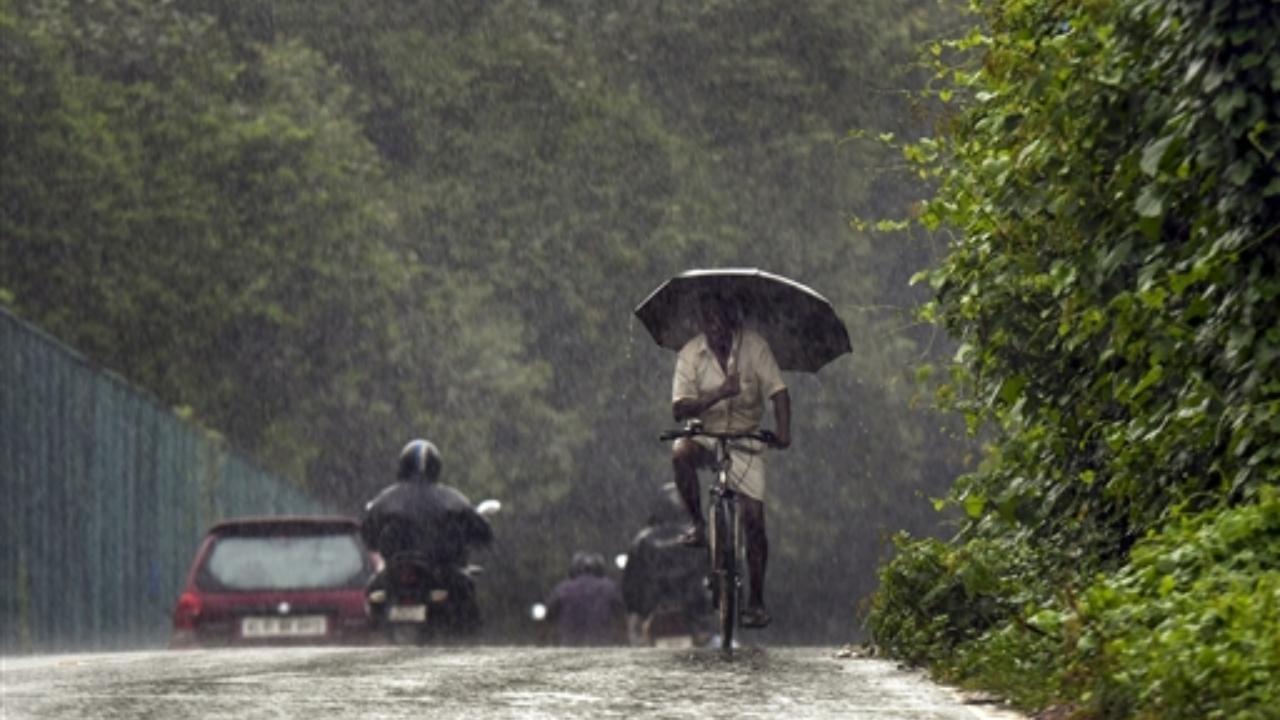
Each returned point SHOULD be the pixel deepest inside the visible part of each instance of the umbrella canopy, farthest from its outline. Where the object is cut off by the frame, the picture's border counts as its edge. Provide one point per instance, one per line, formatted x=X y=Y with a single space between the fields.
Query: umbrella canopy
x=800 y=325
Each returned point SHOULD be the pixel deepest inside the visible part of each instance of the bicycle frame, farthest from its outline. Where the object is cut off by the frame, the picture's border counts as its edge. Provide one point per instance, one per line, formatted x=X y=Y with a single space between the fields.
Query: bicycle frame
x=725 y=540
x=724 y=524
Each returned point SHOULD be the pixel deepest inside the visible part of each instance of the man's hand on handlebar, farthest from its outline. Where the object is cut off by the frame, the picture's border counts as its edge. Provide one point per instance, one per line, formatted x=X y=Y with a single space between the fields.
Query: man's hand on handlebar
x=780 y=441
x=774 y=440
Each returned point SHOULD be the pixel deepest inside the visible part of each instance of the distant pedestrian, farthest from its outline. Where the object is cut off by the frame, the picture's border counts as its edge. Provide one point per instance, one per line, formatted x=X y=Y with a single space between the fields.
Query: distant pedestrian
x=587 y=608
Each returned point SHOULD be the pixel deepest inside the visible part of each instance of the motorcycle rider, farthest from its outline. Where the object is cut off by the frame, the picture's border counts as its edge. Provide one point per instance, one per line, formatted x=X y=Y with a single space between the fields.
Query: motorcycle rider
x=419 y=516
x=587 y=608
x=663 y=581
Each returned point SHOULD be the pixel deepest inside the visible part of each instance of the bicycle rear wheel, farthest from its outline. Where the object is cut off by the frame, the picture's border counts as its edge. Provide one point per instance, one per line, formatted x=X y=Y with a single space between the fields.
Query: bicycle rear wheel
x=724 y=557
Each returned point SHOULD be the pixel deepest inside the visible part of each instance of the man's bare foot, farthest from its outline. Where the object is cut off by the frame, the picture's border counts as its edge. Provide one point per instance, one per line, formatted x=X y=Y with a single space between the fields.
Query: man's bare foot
x=756 y=617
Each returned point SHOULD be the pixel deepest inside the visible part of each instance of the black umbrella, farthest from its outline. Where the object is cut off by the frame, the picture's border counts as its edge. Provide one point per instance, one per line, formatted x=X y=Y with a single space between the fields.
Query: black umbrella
x=800 y=326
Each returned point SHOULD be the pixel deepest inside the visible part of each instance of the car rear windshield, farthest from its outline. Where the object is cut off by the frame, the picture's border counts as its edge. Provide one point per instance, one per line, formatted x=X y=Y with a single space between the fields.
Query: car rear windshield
x=301 y=562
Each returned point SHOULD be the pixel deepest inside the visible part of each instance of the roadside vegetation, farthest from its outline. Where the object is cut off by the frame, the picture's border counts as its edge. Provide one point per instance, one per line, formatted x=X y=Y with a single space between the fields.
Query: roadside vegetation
x=1110 y=183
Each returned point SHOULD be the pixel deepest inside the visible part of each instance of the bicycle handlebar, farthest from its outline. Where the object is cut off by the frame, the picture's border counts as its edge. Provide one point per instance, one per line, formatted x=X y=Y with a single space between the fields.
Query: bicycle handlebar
x=765 y=436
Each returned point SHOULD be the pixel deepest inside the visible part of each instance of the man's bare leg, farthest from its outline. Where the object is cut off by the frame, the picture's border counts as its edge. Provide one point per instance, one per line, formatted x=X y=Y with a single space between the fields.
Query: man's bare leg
x=757 y=559
x=686 y=456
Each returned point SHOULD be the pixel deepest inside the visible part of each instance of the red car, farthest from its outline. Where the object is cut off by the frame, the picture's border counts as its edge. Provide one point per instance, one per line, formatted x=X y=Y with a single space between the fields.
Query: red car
x=274 y=581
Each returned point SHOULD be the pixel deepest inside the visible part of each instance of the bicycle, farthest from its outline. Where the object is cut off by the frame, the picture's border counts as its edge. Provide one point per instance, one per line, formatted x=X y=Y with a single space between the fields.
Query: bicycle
x=724 y=527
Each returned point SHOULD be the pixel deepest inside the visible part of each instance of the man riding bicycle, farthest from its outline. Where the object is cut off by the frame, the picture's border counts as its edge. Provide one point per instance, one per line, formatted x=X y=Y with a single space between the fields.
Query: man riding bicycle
x=722 y=378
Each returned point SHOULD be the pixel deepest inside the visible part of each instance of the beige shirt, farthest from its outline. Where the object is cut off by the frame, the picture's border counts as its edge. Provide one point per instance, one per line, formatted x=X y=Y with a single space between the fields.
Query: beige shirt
x=698 y=372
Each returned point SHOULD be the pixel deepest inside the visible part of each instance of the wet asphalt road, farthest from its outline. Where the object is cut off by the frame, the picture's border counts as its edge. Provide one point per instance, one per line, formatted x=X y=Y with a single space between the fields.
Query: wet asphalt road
x=486 y=682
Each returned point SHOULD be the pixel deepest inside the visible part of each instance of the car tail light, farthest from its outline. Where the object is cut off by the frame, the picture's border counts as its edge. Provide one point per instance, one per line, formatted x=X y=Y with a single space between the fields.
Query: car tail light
x=187 y=611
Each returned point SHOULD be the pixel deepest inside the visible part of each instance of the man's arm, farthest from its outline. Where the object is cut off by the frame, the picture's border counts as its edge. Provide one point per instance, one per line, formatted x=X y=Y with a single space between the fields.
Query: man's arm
x=686 y=407
x=782 y=418
x=771 y=382
x=478 y=530
x=371 y=523
x=368 y=533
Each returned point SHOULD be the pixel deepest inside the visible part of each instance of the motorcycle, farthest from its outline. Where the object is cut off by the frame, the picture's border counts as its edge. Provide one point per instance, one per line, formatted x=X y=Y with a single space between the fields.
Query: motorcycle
x=415 y=601
x=672 y=627
x=669 y=600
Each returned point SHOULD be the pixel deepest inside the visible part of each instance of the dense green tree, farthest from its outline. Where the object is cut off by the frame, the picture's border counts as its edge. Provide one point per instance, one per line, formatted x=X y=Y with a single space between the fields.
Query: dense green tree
x=202 y=235
x=1111 y=183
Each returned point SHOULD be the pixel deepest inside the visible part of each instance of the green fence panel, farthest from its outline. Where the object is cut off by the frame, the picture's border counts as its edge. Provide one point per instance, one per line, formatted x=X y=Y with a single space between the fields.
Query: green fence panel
x=106 y=495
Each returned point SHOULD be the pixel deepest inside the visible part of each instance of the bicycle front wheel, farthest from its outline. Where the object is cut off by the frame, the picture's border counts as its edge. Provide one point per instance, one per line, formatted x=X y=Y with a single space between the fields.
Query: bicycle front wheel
x=726 y=571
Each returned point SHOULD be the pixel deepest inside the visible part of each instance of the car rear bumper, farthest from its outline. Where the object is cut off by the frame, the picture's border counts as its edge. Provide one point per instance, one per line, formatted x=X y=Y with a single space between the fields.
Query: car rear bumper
x=348 y=632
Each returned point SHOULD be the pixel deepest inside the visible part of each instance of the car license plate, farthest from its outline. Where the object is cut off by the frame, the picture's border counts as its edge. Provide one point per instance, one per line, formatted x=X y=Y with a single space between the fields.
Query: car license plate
x=407 y=613
x=289 y=626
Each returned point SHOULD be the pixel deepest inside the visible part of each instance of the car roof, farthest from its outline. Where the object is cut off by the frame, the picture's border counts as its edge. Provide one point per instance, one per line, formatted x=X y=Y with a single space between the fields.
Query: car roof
x=284 y=525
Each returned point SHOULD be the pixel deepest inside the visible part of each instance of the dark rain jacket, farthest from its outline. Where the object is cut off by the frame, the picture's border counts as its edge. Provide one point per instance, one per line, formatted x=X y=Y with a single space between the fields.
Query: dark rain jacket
x=430 y=519
x=587 y=610
x=662 y=572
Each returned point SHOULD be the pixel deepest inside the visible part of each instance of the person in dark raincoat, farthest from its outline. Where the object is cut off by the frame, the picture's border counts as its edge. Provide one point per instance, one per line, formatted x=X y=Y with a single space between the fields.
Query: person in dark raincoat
x=587 y=608
x=663 y=582
x=420 y=516
x=417 y=513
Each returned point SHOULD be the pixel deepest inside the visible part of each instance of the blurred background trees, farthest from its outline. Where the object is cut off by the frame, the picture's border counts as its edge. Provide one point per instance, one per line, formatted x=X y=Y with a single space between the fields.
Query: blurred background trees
x=322 y=229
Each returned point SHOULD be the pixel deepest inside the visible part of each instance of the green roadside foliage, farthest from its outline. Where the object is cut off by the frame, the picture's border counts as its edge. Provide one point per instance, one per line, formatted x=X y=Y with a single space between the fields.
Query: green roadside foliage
x=1190 y=628
x=1110 y=181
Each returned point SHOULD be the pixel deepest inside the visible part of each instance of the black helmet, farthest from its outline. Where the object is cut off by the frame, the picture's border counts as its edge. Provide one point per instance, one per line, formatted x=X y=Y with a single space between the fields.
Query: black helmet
x=419 y=460
x=586 y=563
